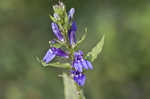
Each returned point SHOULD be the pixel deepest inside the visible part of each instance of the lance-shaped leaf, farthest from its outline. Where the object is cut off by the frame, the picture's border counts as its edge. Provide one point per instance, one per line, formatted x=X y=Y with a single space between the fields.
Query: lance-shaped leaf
x=96 y=50
x=71 y=90
x=56 y=64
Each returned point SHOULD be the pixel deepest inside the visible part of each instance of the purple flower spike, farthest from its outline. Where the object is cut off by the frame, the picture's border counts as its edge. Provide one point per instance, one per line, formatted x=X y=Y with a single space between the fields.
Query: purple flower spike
x=49 y=56
x=89 y=64
x=71 y=13
x=57 y=32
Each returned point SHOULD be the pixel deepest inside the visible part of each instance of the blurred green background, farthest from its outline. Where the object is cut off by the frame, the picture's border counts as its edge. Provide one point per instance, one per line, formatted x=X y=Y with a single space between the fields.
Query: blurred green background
x=122 y=71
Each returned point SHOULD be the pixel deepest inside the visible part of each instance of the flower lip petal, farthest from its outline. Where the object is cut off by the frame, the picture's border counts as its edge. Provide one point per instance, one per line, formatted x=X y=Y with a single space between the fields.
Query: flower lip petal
x=50 y=58
x=82 y=79
x=84 y=64
x=89 y=64
x=79 y=79
x=80 y=67
x=50 y=55
x=47 y=54
x=77 y=66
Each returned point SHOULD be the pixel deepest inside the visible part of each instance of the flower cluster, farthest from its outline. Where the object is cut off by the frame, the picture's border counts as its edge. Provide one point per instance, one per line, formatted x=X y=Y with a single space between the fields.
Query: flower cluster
x=79 y=63
x=64 y=28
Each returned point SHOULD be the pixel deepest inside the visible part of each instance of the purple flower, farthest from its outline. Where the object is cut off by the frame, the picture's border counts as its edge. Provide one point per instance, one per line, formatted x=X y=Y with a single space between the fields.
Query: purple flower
x=78 y=77
x=51 y=53
x=71 y=13
x=71 y=33
x=78 y=66
x=57 y=32
x=52 y=41
x=60 y=52
x=74 y=27
x=79 y=62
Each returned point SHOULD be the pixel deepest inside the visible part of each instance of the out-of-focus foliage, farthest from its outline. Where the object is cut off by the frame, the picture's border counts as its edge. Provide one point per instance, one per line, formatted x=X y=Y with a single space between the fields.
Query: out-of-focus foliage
x=120 y=72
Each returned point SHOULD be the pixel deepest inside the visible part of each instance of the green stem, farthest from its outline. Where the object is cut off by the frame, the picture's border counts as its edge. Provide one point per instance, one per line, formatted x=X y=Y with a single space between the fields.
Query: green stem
x=79 y=91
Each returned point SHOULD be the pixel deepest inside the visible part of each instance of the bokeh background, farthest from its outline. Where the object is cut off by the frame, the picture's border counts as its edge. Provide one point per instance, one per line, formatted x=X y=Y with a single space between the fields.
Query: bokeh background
x=122 y=71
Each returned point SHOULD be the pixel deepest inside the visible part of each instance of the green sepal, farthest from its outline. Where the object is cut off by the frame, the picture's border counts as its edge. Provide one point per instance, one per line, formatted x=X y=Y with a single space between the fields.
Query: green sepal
x=59 y=23
x=57 y=45
x=52 y=18
x=66 y=22
x=56 y=64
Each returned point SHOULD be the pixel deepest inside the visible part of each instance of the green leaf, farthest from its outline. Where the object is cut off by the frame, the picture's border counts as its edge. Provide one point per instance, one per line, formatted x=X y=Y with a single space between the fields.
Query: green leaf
x=96 y=50
x=56 y=64
x=71 y=90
